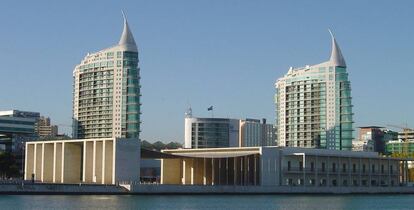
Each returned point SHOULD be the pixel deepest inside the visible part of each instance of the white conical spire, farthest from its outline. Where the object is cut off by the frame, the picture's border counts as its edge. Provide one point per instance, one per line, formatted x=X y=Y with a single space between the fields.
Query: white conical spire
x=336 y=56
x=127 y=39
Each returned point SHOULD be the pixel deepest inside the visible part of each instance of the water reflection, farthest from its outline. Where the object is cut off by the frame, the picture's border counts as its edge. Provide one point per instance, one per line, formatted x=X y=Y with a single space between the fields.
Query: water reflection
x=278 y=202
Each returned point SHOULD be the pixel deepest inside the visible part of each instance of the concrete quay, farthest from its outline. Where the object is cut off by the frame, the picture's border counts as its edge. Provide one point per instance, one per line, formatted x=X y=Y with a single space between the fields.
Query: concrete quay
x=61 y=189
x=199 y=189
x=154 y=189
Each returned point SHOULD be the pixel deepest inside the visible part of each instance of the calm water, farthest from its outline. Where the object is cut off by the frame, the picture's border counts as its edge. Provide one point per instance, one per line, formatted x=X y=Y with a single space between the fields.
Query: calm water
x=282 y=202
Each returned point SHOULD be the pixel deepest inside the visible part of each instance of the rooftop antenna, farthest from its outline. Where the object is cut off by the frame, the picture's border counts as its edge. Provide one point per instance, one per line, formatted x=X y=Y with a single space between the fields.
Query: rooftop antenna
x=189 y=112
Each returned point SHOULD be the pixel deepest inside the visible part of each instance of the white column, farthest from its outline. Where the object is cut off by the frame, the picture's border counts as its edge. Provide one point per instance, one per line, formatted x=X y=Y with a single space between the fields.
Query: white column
x=54 y=163
x=42 y=162
x=63 y=163
x=84 y=161
x=34 y=161
x=113 y=159
x=103 y=161
x=94 y=163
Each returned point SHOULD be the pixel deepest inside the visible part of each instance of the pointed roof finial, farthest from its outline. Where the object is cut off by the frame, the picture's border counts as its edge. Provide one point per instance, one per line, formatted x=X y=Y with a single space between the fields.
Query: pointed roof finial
x=127 y=39
x=336 y=55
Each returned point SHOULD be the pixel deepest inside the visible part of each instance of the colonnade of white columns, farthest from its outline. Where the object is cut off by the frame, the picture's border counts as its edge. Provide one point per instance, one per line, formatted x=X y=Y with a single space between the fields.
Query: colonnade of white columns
x=86 y=161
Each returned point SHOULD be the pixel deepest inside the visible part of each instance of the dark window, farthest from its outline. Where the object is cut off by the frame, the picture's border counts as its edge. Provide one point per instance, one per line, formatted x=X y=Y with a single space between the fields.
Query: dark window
x=355 y=182
x=354 y=167
x=300 y=165
x=288 y=166
x=333 y=167
x=312 y=166
x=344 y=167
x=323 y=167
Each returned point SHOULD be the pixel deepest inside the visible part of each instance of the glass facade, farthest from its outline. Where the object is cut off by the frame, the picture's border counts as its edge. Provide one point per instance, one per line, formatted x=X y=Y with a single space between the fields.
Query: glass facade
x=210 y=135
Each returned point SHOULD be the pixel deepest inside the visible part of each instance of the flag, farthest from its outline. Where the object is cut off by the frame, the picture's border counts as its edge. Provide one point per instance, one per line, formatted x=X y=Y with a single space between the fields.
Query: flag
x=210 y=108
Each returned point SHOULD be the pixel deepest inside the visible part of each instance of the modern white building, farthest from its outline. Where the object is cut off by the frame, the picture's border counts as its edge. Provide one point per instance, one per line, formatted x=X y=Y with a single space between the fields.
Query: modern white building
x=282 y=166
x=211 y=132
x=90 y=161
x=224 y=132
x=254 y=133
x=313 y=105
x=106 y=92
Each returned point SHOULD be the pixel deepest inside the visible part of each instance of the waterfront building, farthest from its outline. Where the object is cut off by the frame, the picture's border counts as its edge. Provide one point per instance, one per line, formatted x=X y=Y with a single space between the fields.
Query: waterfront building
x=99 y=161
x=211 y=132
x=224 y=132
x=106 y=91
x=254 y=133
x=16 y=127
x=313 y=105
x=45 y=129
x=282 y=166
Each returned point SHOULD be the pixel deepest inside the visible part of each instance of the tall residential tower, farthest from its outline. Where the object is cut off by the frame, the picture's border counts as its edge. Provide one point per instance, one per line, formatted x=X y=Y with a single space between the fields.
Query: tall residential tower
x=313 y=105
x=106 y=92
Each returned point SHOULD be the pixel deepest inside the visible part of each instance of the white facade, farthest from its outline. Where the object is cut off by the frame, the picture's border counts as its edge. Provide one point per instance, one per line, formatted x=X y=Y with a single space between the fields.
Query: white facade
x=254 y=133
x=210 y=132
x=313 y=105
x=106 y=92
x=100 y=161
x=282 y=166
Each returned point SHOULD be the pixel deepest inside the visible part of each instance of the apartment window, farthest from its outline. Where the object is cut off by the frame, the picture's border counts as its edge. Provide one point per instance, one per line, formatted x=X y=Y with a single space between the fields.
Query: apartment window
x=333 y=167
x=288 y=168
x=363 y=168
x=312 y=166
x=382 y=169
x=373 y=168
x=334 y=182
x=354 y=167
x=391 y=171
x=344 y=167
x=323 y=167
x=300 y=166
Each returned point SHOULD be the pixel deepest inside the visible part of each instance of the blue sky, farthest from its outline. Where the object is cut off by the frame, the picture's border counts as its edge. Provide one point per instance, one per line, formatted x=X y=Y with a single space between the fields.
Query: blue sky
x=222 y=53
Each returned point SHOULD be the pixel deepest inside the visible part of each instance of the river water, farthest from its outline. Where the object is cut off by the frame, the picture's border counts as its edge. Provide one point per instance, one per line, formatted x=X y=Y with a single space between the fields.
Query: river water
x=257 y=202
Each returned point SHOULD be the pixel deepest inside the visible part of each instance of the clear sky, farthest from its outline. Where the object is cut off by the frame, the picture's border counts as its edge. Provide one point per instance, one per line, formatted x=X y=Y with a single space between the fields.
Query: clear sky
x=222 y=53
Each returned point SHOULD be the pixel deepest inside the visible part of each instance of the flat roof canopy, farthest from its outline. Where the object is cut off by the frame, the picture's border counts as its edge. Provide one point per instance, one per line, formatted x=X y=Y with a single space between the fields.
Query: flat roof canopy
x=213 y=153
